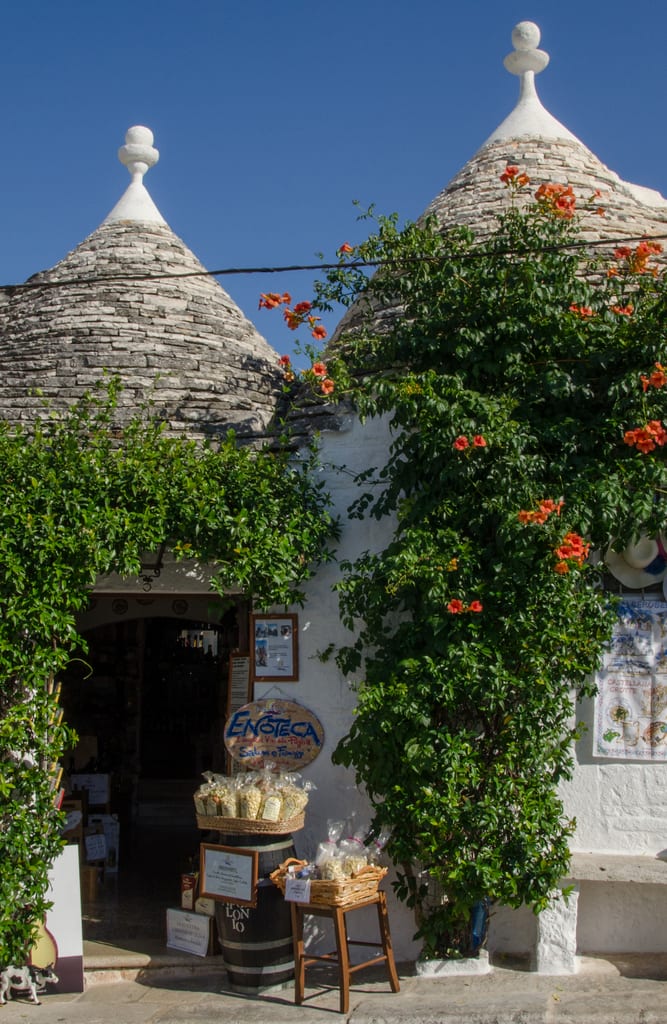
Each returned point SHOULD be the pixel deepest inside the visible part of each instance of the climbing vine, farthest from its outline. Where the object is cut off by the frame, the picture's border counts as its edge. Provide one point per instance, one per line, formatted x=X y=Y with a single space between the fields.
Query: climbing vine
x=80 y=498
x=522 y=379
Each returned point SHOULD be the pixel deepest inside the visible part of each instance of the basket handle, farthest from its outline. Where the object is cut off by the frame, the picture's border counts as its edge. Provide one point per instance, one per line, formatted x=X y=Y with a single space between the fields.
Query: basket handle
x=281 y=870
x=291 y=860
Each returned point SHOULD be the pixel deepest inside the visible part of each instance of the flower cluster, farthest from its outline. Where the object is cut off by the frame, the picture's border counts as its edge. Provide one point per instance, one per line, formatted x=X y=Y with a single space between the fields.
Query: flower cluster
x=462 y=442
x=636 y=260
x=558 y=200
x=456 y=607
x=512 y=179
x=285 y=363
x=270 y=300
x=658 y=378
x=317 y=374
x=592 y=199
x=583 y=311
x=646 y=439
x=623 y=310
x=542 y=512
x=572 y=549
x=318 y=371
x=301 y=313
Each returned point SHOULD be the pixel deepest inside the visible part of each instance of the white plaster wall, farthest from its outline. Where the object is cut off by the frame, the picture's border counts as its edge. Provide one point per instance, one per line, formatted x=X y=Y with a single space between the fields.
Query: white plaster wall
x=620 y=806
x=512 y=932
x=322 y=686
x=622 y=918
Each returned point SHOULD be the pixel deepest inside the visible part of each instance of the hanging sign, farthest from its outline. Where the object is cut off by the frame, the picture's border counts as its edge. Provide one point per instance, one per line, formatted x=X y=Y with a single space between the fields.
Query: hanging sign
x=276 y=733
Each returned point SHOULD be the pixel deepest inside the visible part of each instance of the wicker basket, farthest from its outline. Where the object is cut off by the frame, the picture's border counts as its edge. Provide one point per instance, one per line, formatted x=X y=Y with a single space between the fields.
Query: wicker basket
x=251 y=826
x=334 y=892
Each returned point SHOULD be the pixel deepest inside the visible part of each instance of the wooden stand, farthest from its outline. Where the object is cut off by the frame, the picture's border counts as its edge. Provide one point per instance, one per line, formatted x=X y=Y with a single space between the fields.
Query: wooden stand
x=342 y=954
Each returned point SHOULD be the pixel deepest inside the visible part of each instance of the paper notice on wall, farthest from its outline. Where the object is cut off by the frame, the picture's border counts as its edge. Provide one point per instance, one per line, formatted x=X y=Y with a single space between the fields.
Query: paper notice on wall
x=631 y=704
x=96 y=846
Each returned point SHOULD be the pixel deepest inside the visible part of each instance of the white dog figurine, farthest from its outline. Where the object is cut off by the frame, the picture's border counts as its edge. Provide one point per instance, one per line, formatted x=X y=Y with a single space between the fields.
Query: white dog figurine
x=25 y=981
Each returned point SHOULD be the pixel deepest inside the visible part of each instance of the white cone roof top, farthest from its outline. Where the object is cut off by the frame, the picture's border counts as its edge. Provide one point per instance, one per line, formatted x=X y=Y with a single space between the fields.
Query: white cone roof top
x=138 y=155
x=529 y=117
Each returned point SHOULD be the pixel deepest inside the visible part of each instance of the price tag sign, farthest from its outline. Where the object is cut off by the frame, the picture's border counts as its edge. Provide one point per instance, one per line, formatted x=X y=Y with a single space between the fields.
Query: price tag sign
x=297 y=889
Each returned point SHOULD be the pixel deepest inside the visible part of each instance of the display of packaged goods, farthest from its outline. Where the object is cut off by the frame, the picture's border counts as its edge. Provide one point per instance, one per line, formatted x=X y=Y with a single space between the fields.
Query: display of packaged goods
x=345 y=865
x=272 y=800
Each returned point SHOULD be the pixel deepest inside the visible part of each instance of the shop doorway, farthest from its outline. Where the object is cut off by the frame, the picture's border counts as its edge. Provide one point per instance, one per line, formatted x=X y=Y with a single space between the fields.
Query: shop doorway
x=148 y=701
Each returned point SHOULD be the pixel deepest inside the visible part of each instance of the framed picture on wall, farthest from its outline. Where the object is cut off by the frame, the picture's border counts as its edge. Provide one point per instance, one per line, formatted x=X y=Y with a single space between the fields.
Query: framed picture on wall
x=274 y=652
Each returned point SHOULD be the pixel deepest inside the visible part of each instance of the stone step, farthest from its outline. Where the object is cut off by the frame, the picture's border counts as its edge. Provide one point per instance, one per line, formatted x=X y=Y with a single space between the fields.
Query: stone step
x=104 y=964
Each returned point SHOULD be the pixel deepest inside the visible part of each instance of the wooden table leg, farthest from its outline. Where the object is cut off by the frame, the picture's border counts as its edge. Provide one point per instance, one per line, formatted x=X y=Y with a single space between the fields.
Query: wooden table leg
x=383 y=921
x=343 y=958
x=299 y=955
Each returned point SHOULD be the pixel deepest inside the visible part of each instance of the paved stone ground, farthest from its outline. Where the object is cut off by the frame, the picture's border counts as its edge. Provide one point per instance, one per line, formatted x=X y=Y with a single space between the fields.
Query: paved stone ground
x=632 y=990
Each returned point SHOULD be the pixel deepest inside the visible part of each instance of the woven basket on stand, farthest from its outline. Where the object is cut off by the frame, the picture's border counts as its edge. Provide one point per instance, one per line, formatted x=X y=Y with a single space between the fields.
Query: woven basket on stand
x=334 y=892
x=251 y=826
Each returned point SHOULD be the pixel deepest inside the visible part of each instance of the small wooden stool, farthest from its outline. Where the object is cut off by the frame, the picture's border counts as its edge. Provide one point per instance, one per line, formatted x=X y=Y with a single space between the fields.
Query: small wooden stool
x=342 y=954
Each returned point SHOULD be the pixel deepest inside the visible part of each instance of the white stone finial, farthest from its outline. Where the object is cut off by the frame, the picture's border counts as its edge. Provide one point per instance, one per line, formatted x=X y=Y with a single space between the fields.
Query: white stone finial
x=526 y=57
x=138 y=154
x=529 y=118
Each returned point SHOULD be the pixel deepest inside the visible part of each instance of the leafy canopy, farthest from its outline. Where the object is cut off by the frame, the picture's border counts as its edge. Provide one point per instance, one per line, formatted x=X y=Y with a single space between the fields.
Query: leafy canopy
x=79 y=499
x=523 y=384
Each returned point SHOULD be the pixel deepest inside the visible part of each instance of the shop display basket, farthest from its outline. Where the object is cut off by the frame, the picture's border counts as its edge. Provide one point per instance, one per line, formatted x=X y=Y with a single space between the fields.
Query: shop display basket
x=334 y=892
x=250 y=826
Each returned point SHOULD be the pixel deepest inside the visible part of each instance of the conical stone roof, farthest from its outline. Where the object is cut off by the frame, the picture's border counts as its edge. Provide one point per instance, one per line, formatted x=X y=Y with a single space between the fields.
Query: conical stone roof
x=531 y=138
x=543 y=148
x=132 y=299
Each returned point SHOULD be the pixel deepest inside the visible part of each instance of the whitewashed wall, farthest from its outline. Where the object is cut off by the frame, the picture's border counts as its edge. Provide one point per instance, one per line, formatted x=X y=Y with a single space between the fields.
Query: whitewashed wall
x=322 y=687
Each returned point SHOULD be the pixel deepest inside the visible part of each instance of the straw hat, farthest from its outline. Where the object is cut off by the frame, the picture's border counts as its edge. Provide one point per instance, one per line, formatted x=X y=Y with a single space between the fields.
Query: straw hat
x=641 y=564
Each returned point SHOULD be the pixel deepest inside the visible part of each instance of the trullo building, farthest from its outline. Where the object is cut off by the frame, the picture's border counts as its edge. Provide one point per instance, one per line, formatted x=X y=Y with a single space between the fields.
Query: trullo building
x=132 y=299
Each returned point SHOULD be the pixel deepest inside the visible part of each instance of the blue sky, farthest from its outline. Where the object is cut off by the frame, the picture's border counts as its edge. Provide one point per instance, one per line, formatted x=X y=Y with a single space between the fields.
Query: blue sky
x=271 y=118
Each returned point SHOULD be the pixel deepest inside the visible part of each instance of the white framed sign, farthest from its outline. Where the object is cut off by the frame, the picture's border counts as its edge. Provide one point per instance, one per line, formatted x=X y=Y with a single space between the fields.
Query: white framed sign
x=188 y=932
x=229 y=874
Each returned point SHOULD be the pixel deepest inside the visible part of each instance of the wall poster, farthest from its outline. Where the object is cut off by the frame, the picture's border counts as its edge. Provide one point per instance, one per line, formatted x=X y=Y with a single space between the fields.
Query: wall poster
x=273 y=643
x=631 y=704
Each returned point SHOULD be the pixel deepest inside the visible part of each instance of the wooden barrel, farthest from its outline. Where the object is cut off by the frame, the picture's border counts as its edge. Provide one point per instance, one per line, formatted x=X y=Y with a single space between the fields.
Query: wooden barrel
x=257 y=941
